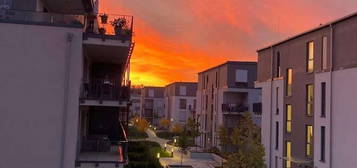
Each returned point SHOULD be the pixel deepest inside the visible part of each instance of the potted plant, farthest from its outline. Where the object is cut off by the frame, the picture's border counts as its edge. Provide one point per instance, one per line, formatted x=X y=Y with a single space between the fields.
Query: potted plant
x=102 y=30
x=119 y=25
x=104 y=18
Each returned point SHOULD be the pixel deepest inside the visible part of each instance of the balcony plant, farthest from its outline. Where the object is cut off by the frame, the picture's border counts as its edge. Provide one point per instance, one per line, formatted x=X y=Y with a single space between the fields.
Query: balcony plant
x=104 y=18
x=102 y=30
x=120 y=25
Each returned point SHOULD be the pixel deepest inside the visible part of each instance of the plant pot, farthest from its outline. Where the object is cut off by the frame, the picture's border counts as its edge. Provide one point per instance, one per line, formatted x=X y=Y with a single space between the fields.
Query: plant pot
x=118 y=31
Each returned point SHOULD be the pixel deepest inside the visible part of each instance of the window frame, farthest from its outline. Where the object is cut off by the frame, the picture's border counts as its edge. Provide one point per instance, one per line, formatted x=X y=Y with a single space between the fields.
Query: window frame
x=309 y=103
x=289 y=82
x=309 y=140
x=309 y=59
x=288 y=120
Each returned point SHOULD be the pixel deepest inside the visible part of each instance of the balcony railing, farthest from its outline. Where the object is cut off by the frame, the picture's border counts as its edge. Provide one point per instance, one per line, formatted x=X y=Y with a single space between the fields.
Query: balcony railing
x=117 y=27
x=234 y=108
x=42 y=18
x=102 y=89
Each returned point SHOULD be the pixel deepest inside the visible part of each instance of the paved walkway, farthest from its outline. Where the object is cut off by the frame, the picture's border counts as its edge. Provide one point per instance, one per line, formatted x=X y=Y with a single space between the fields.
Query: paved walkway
x=176 y=160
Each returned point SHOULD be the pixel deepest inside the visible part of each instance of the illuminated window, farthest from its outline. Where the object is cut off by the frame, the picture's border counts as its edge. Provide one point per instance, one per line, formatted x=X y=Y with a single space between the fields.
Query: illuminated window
x=310 y=57
x=289 y=81
x=324 y=52
x=309 y=99
x=288 y=154
x=309 y=135
x=288 y=118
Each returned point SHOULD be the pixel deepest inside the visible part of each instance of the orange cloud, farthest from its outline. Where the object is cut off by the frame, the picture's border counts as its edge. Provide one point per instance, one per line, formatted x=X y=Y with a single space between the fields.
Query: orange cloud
x=175 y=39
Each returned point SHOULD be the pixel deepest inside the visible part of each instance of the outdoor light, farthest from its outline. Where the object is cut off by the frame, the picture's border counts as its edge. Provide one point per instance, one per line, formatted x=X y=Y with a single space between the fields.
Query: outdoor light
x=150 y=126
x=158 y=155
x=155 y=128
x=165 y=146
x=172 y=152
x=175 y=140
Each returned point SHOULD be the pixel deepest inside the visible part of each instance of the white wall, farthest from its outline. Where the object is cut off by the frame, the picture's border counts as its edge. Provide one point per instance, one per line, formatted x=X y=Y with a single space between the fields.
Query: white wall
x=32 y=88
x=322 y=121
x=343 y=116
x=181 y=115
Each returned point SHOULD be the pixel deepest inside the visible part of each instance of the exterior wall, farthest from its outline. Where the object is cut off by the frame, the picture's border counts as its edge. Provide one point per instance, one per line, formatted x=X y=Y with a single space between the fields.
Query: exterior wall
x=44 y=125
x=217 y=86
x=158 y=101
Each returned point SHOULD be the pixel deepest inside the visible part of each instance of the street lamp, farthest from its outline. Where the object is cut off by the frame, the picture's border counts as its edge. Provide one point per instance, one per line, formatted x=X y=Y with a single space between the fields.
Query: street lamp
x=172 y=152
x=158 y=155
x=165 y=146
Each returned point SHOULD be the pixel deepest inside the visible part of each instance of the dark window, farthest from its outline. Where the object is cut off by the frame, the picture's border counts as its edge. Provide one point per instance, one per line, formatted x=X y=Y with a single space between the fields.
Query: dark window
x=277 y=101
x=322 y=144
x=257 y=108
x=323 y=99
x=183 y=103
x=276 y=135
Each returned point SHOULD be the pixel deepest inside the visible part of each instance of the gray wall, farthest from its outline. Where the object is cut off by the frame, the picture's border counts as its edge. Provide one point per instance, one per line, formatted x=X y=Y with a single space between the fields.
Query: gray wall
x=33 y=92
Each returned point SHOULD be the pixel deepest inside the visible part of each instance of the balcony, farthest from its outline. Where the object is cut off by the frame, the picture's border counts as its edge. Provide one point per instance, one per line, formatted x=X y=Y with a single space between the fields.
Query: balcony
x=109 y=27
x=234 y=108
x=104 y=92
x=41 y=18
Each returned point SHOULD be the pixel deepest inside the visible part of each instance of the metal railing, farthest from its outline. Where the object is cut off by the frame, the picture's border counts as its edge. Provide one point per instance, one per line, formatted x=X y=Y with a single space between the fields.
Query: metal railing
x=234 y=108
x=109 y=26
x=102 y=89
x=43 y=18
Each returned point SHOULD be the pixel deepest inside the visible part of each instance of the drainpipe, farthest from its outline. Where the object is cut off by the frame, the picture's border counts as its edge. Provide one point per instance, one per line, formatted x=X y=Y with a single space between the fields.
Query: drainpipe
x=271 y=102
x=331 y=96
x=65 y=97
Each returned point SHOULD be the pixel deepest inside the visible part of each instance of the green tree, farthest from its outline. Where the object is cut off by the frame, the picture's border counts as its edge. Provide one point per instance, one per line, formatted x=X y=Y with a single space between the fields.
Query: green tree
x=164 y=123
x=192 y=128
x=183 y=143
x=177 y=129
x=224 y=138
x=246 y=140
x=142 y=124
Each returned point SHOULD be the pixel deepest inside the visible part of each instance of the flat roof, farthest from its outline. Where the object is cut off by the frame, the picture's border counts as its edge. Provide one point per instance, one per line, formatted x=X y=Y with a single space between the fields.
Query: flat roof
x=230 y=62
x=180 y=83
x=311 y=30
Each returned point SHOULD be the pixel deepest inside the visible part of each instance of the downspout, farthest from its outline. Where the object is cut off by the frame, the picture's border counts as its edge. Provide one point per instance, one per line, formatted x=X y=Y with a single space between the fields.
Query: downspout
x=271 y=102
x=65 y=97
x=331 y=96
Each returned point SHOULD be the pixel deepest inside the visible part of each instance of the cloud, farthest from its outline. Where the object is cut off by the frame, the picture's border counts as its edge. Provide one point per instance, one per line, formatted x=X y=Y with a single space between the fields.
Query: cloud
x=175 y=39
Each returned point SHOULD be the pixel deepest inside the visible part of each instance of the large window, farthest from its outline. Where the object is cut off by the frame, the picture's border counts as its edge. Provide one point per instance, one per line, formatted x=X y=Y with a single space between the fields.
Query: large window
x=288 y=154
x=276 y=135
x=322 y=143
x=183 y=91
x=309 y=135
x=324 y=53
x=183 y=104
x=241 y=78
x=288 y=118
x=309 y=99
x=310 y=57
x=323 y=99
x=289 y=81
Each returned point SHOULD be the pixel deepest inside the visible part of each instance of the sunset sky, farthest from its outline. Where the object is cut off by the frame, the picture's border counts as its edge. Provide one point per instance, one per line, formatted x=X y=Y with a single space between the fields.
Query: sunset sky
x=175 y=39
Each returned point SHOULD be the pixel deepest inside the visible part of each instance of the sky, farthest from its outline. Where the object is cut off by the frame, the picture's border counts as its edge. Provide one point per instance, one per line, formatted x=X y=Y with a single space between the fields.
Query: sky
x=176 y=39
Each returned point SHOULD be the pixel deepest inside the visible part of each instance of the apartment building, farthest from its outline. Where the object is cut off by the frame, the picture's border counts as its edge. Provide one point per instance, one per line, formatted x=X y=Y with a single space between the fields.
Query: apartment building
x=180 y=101
x=64 y=88
x=224 y=93
x=309 y=99
x=152 y=104
x=135 y=99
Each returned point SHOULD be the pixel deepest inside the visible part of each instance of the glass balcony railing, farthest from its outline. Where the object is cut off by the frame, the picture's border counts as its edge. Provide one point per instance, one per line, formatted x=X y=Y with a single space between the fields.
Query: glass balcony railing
x=234 y=108
x=102 y=89
x=33 y=17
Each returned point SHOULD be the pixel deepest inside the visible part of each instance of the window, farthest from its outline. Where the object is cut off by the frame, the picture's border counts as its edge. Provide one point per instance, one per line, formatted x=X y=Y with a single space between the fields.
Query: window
x=183 y=103
x=278 y=65
x=277 y=101
x=309 y=135
x=5 y=4
x=322 y=157
x=151 y=93
x=310 y=57
x=257 y=108
x=288 y=154
x=289 y=81
x=323 y=99
x=241 y=78
x=309 y=99
x=324 y=53
x=183 y=90
x=288 y=118
x=276 y=135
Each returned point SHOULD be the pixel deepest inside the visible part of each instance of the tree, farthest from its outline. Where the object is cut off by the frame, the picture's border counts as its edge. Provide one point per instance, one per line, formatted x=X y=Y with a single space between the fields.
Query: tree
x=141 y=124
x=165 y=123
x=177 y=129
x=183 y=143
x=224 y=138
x=192 y=128
x=246 y=140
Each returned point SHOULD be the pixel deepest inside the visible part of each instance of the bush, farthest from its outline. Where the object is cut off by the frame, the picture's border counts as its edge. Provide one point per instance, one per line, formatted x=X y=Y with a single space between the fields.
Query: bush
x=165 y=135
x=134 y=133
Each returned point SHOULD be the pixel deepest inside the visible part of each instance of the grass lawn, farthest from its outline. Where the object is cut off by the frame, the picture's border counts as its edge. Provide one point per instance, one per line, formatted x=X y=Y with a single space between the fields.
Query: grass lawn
x=133 y=133
x=143 y=154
